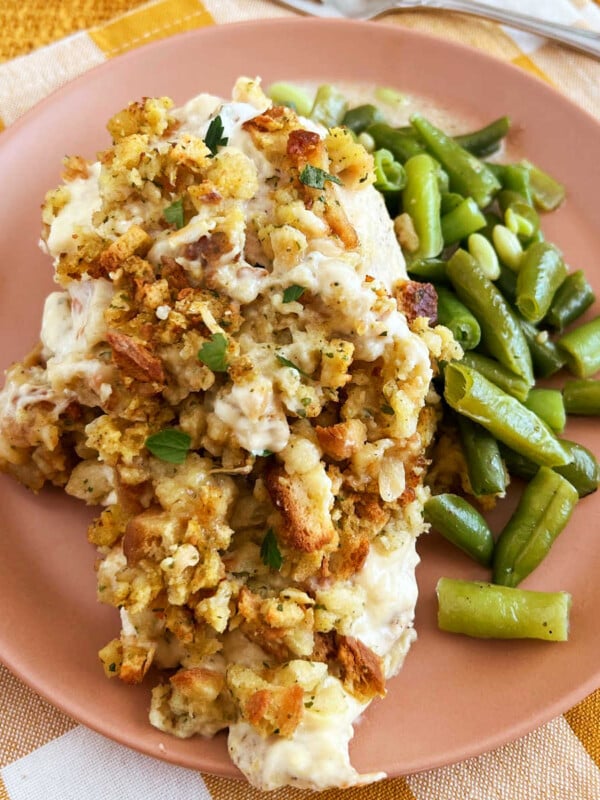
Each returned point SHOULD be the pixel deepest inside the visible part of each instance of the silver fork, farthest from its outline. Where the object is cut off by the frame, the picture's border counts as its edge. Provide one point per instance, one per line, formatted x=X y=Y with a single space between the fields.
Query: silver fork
x=584 y=40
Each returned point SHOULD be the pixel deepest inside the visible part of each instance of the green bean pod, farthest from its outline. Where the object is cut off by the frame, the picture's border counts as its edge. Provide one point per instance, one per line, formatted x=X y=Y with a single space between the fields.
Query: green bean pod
x=402 y=144
x=461 y=221
x=461 y=524
x=495 y=372
x=582 y=397
x=430 y=270
x=507 y=283
x=486 y=611
x=549 y=406
x=449 y=201
x=457 y=317
x=421 y=199
x=468 y=175
x=542 y=513
x=541 y=272
x=329 y=106
x=545 y=355
x=514 y=178
x=581 y=348
x=573 y=297
x=546 y=192
x=485 y=141
x=484 y=462
x=389 y=173
x=500 y=329
x=359 y=118
x=469 y=393
x=582 y=471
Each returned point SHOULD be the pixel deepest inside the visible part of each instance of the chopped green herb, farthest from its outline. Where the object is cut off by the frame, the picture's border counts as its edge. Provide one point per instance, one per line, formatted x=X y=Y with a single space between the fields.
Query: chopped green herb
x=315 y=177
x=174 y=213
x=214 y=353
x=285 y=362
x=306 y=401
x=269 y=551
x=292 y=293
x=169 y=445
x=112 y=667
x=386 y=409
x=262 y=453
x=214 y=135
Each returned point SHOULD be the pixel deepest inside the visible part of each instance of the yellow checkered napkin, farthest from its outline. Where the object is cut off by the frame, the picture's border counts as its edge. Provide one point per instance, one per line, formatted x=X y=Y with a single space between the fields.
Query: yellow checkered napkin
x=44 y=755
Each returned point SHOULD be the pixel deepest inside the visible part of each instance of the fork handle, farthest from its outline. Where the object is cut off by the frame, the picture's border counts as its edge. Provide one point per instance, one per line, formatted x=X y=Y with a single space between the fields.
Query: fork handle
x=577 y=38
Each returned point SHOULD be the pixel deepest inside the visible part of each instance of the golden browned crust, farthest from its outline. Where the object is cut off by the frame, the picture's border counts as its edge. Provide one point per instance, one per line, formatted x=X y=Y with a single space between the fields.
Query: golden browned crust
x=340 y=441
x=134 y=359
x=302 y=527
x=361 y=669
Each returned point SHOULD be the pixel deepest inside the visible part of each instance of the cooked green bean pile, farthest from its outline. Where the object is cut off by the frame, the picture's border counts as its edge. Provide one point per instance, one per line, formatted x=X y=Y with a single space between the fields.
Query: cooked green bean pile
x=471 y=227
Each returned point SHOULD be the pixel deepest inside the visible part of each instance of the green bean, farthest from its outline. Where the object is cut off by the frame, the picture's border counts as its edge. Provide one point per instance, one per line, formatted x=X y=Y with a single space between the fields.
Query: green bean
x=468 y=175
x=486 y=611
x=389 y=173
x=457 y=317
x=485 y=141
x=549 y=406
x=518 y=465
x=329 y=106
x=541 y=272
x=583 y=471
x=582 y=397
x=421 y=200
x=286 y=94
x=547 y=193
x=431 y=270
x=402 y=144
x=581 y=348
x=463 y=220
x=449 y=201
x=485 y=255
x=545 y=355
x=484 y=462
x=515 y=178
x=469 y=393
x=358 y=119
x=495 y=372
x=500 y=329
x=573 y=297
x=507 y=283
x=542 y=513
x=461 y=524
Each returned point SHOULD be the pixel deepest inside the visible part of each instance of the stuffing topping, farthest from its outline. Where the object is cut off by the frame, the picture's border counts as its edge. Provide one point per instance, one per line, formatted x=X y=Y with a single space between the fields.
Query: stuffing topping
x=232 y=371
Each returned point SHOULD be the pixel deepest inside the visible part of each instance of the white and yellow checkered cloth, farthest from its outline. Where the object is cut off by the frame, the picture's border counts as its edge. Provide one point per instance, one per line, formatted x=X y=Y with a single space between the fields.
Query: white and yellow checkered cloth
x=44 y=755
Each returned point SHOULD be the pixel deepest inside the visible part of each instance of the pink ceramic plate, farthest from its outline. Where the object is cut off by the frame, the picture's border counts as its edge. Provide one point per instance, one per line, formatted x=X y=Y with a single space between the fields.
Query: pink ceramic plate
x=455 y=697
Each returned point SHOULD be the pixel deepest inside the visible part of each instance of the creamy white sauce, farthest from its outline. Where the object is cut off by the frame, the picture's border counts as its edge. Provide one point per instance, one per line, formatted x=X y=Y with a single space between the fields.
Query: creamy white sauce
x=76 y=214
x=315 y=757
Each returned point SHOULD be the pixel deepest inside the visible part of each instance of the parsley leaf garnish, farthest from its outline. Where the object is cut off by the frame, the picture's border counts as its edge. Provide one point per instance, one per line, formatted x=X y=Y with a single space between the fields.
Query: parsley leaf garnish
x=315 y=177
x=214 y=135
x=214 y=353
x=293 y=292
x=169 y=445
x=285 y=362
x=387 y=409
x=269 y=551
x=174 y=213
